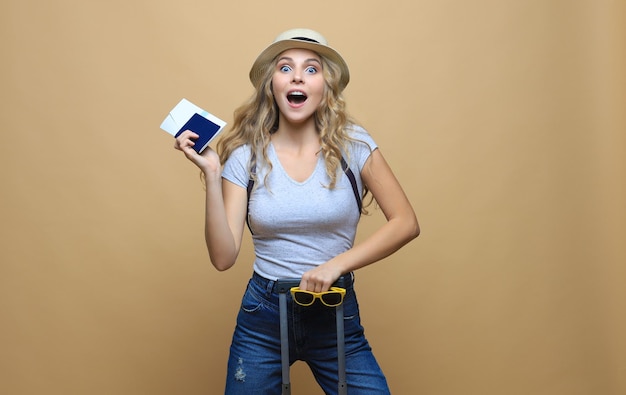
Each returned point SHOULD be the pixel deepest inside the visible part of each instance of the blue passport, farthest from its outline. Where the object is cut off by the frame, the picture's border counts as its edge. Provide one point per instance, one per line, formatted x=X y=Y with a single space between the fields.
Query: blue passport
x=204 y=128
x=188 y=116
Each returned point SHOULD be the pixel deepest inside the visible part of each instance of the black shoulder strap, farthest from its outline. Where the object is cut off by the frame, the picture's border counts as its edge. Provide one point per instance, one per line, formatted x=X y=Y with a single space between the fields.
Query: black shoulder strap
x=344 y=166
x=355 y=188
x=249 y=188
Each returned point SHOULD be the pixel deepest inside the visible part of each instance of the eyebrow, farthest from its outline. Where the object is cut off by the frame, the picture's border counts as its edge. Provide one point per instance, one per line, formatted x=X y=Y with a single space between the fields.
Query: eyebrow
x=306 y=61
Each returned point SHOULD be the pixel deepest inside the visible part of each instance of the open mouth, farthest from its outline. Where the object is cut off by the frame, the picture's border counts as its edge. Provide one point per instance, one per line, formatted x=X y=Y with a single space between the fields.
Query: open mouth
x=296 y=97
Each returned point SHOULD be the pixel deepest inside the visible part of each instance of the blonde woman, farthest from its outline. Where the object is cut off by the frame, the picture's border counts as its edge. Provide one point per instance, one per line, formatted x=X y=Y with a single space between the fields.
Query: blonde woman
x=295 y=168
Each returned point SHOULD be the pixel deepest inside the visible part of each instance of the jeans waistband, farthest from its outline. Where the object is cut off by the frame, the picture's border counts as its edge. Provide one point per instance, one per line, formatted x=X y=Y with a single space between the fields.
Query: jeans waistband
x=345 y=281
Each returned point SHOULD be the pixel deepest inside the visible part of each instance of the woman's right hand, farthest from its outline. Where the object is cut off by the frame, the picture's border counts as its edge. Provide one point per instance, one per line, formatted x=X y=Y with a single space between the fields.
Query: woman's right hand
x=208 y=161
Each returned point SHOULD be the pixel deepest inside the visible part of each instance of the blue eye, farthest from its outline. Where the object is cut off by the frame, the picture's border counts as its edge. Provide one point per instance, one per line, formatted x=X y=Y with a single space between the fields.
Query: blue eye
x=311 y=70
x=285 y=68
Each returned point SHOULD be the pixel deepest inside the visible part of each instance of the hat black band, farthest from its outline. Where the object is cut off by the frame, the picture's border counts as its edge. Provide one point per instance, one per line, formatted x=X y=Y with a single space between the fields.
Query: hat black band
x=305 y=39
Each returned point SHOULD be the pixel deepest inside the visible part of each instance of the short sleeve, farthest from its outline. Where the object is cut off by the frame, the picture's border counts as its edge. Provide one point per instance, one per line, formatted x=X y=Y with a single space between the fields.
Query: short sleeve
x=236 y=166
x=361 y=148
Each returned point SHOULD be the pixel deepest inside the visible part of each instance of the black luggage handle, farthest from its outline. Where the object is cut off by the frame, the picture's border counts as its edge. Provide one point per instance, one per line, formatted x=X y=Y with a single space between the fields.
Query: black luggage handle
x=282 y=286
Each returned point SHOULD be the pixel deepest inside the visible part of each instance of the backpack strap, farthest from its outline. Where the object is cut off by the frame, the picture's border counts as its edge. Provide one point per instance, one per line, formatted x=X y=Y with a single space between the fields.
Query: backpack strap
x=249 y=189
x=344 y=166
x=355 y=188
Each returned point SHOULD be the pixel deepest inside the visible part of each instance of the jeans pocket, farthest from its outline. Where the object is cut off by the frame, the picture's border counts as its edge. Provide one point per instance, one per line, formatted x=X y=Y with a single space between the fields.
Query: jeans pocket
x=251 y=301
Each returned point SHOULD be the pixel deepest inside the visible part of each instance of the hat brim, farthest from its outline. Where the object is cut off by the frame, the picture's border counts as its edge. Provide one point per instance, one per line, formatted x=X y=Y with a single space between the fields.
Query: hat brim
x=267 y=56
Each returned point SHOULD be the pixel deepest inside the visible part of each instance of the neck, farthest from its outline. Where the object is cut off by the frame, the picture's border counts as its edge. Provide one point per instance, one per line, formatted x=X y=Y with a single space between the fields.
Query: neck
x=296 y=135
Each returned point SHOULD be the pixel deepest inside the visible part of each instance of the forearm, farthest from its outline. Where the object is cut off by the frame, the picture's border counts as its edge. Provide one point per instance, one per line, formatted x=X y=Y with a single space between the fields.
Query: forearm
x=217 y=232
x=389 y=238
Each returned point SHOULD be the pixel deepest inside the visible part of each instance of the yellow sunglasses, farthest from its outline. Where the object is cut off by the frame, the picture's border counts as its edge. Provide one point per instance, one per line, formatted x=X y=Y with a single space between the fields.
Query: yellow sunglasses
x=331 y=298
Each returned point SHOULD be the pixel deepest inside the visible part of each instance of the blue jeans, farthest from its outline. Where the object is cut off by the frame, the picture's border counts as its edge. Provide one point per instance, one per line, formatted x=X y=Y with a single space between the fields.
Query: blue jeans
x=254 y=363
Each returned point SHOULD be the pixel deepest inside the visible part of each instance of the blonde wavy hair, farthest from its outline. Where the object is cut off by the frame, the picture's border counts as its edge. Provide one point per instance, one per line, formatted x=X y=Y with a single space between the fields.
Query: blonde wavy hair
x=257 y=119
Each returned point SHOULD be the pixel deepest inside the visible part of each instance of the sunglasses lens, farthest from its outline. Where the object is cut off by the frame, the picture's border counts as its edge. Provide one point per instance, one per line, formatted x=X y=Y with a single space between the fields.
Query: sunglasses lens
x=332 y=299
x=303 y=298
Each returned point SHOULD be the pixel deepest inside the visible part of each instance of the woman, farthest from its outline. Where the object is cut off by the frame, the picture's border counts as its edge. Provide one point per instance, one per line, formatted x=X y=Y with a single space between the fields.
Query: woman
x=295 y=167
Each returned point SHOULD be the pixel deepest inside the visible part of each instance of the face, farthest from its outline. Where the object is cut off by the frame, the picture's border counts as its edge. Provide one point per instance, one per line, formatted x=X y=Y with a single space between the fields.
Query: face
x=298 y=85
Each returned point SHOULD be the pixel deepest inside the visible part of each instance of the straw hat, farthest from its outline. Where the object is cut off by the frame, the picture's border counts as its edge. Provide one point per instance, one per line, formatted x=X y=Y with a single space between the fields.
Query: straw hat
x=302 y=39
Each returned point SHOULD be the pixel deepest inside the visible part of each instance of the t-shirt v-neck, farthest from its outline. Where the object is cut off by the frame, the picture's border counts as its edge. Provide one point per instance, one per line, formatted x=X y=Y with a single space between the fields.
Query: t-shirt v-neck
x=273 y=156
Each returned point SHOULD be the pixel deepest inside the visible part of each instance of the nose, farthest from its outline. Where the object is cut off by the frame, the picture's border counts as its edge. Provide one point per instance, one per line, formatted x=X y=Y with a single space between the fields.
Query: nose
x=297 y=77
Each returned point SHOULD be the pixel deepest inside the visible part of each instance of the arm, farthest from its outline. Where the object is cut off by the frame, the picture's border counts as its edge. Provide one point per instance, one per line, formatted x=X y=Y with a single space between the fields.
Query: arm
x=225 y=208
x=400 y=228
x=224 y=224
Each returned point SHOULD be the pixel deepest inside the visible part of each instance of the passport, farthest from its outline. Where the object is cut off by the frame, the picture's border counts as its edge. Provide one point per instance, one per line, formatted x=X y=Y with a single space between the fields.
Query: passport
x=187 y=116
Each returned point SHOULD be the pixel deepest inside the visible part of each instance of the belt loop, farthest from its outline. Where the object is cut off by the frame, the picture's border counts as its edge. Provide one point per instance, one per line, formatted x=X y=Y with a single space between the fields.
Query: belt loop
x=269 y=287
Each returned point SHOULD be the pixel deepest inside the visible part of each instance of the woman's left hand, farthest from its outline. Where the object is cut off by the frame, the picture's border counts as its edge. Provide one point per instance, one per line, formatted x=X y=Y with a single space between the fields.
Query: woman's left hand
x=320 y=279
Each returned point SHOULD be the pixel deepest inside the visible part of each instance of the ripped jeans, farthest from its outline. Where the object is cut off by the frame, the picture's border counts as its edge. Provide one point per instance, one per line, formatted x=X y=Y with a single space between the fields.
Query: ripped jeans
x=254 y=363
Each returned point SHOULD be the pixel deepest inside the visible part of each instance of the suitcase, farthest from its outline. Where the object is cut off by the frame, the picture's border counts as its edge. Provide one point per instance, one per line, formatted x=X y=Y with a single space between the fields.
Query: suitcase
x=283 y=287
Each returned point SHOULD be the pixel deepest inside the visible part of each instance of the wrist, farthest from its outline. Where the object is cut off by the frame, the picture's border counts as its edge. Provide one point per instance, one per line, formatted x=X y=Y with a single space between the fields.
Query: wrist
x=212 y=176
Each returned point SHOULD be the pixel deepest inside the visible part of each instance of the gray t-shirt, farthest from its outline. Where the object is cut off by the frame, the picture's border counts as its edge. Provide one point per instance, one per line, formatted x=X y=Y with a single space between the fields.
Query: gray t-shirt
x=299 y=225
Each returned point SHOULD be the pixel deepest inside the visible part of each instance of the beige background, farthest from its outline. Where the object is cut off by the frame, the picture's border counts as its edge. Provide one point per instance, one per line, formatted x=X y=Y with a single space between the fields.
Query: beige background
x=504 y=120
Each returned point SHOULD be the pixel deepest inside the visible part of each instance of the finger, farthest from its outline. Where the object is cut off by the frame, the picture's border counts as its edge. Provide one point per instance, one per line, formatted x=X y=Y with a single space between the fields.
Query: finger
x=191 y=154
x=184 y=144
x=187 y=134
x=311 y=282
x=185 y=137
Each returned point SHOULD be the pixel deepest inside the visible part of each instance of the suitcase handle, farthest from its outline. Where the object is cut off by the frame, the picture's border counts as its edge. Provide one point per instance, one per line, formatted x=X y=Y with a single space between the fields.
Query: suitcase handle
x=282 y=286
